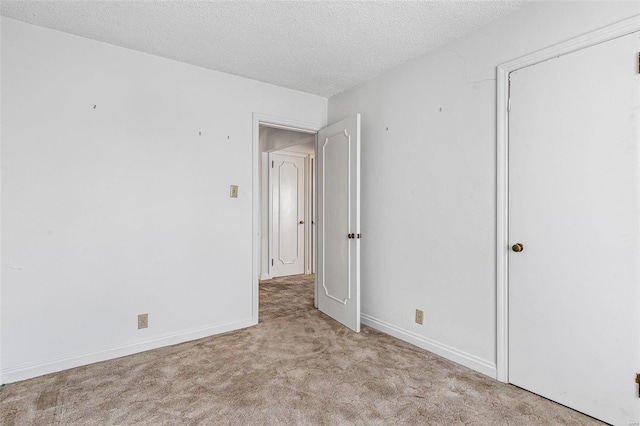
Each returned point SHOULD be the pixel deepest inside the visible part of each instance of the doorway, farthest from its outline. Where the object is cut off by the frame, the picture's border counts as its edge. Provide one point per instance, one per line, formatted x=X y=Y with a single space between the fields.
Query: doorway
x=260 y=194
x=286 y=195
x=338 y=210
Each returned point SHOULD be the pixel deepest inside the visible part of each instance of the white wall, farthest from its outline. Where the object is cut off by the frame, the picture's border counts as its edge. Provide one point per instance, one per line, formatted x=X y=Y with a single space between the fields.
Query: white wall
x=273 y=139
x=305 y=148
x=124 y=208
x=429 y=180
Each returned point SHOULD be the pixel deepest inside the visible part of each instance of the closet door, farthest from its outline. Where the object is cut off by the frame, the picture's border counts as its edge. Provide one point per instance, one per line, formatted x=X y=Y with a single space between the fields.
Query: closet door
x=574 y=224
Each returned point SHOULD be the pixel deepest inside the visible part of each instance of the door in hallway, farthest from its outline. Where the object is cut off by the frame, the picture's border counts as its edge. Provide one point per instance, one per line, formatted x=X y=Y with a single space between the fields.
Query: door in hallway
x=287 y=179
x=574 y=208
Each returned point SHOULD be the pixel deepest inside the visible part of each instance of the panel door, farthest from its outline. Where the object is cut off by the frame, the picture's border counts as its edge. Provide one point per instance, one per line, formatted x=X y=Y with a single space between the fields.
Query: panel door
x=574 y=205
x=287 y=214
x=338 y=257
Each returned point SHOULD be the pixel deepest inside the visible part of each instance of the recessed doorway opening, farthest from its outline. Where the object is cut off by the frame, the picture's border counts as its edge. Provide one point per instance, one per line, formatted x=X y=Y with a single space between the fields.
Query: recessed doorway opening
x=293 y=139
x=286 y=202
x=336 y=191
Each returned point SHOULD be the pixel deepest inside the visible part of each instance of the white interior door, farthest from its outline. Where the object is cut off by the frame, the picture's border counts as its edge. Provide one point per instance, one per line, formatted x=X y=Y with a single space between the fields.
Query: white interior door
x=287 y=214
x=338 y=257
x=574 y=205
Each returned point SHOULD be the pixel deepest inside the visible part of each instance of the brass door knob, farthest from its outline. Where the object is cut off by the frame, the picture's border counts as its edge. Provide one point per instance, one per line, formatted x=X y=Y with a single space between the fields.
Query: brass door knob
x=301 y=222
x=517 y=247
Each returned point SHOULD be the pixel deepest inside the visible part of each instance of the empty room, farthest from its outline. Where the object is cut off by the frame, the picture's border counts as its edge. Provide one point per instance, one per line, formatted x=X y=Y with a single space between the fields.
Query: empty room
x=319 y=212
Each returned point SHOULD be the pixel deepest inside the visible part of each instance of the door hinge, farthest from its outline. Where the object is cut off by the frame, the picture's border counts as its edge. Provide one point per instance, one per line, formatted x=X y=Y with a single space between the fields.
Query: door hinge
x=272 y=164
x=271 y=262
x=638 y=62
x=638 y=382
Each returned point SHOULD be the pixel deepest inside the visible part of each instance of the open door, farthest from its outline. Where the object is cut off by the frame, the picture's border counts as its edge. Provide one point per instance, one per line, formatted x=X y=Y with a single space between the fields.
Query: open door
x=338 y=258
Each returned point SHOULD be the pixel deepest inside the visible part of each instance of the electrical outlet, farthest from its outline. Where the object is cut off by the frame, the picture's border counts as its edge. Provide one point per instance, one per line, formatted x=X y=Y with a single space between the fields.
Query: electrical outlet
x=419 y=316
x=143 y=321
x=234 y=191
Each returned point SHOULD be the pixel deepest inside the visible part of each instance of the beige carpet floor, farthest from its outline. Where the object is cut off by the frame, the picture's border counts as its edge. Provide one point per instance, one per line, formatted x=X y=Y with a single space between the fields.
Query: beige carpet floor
x=296 y=367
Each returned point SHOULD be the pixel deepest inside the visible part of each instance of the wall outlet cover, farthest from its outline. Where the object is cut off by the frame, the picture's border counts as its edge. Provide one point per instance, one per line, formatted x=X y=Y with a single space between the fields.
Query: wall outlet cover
x=143 y=321
x=419 y=317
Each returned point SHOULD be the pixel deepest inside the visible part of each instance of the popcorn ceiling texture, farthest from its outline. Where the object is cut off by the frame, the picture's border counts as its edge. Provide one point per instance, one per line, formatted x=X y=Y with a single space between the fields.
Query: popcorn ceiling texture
x=319 y=47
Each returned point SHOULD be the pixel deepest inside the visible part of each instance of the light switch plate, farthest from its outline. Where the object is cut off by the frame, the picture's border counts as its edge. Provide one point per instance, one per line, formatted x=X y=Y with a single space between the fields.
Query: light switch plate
x=234 y=191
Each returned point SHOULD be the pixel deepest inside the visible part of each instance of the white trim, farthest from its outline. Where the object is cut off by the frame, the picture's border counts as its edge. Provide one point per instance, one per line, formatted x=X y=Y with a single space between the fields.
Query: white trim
x=312 y=215
x=265 y=276
x=269 y=211
x=308 y=185
x=34 y=369
x=602 y=35
x=502 y=227
x=307 y=214
x=473 y=362
x=280 y=123
x=502 y=169
x=289 y=153
x=293 y=128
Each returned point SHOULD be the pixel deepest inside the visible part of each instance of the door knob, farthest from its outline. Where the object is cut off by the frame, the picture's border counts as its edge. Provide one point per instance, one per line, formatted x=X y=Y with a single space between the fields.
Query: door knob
x=517 y=247
x=301 y=222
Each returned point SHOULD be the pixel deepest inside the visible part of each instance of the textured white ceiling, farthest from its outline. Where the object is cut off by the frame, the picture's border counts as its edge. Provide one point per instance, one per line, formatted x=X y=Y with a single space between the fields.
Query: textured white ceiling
x=321 y=47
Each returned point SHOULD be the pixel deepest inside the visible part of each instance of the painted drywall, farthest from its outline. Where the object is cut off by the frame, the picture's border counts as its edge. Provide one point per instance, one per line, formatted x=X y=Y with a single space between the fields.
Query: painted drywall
x=116 y=167
x=305 y=148
x=429 y=180
x=273 y=139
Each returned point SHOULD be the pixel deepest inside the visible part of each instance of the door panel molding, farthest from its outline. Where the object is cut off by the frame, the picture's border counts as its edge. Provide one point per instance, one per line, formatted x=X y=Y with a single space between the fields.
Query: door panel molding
x=346 y=146
x=608 y=33
x=338 y=271
x=310 y=215
x=281 y=250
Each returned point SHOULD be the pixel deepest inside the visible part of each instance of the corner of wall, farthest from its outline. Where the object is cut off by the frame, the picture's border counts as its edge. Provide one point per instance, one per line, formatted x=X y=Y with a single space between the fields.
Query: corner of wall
x=473 y=362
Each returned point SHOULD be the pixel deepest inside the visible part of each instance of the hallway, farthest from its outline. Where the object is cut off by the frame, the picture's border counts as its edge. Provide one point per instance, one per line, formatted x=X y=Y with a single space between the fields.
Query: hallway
x=284 y=296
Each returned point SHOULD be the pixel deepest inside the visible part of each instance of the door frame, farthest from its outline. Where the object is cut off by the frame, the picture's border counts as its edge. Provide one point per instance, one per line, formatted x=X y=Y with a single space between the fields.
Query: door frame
x=311 y=210
x=602 y=35
x=278 y=123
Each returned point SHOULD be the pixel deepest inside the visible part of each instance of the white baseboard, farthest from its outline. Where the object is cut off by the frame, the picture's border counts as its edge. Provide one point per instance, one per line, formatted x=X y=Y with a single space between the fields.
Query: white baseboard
x=445 y=351
x=28 y=371
x=265 y=276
